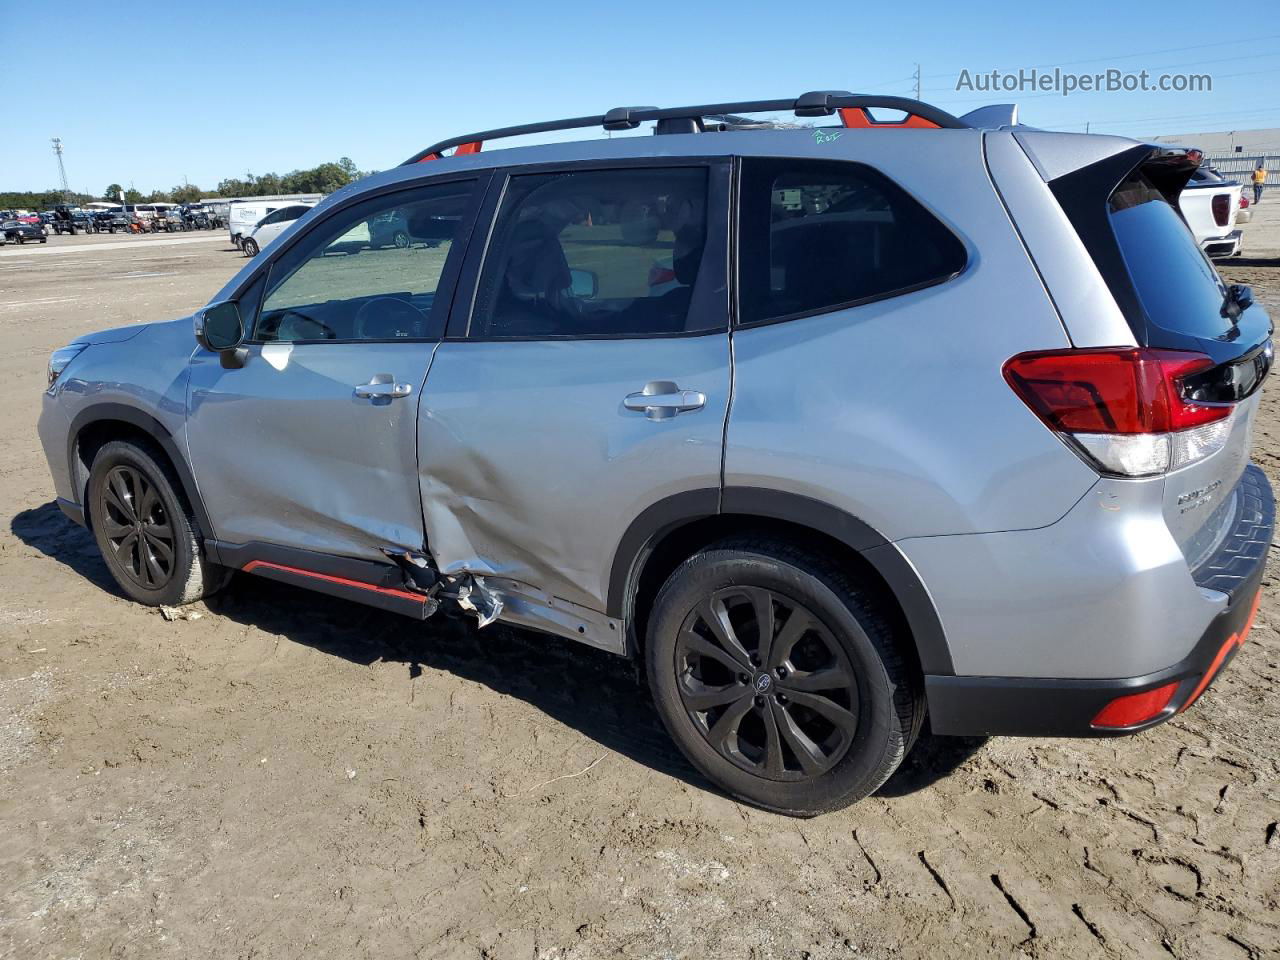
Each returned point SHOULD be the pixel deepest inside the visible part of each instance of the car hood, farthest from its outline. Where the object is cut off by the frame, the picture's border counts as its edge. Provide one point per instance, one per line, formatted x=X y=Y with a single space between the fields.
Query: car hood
x=115 y=335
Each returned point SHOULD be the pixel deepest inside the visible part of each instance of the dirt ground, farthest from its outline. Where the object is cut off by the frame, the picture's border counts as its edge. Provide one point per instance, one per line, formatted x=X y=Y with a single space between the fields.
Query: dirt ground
x=283 y=775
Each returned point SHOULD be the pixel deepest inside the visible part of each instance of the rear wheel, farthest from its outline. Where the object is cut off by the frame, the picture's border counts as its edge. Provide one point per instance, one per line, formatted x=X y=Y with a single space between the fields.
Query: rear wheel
x=144 y=528
x=250 y=247
x=780 y=678
x=401 y=240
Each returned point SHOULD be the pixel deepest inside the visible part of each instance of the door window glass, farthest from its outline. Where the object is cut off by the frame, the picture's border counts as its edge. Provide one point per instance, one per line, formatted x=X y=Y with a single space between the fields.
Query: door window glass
x=612 y=253
x=370 y=273
x=818 y=236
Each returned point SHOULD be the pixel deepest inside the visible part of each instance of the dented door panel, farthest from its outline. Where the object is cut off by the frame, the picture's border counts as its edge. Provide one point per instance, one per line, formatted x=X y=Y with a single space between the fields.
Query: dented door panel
x=532 y=467
x=287 y=453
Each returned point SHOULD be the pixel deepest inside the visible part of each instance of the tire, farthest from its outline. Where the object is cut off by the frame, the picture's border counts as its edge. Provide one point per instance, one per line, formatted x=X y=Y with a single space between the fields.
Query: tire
x=401 y=240
x=866 y=718
x=133 y=482
x=250 y=247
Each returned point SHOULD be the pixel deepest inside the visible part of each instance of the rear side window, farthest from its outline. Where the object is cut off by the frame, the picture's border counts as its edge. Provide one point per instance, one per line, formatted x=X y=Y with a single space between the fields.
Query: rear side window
x=1179 y=289
x=817 y=236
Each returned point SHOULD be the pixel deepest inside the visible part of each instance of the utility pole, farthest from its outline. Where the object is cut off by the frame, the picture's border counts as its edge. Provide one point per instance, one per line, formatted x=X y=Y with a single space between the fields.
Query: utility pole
x=917 y=75
x=62 y=170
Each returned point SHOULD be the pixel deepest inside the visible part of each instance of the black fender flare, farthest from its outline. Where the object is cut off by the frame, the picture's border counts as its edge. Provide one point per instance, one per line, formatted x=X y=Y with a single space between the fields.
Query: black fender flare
x=667 y=515
x=98 y=412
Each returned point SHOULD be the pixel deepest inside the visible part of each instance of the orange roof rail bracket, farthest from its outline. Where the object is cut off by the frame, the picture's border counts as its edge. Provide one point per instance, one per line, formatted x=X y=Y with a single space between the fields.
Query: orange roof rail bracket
x=858 y=118
x=463 y=150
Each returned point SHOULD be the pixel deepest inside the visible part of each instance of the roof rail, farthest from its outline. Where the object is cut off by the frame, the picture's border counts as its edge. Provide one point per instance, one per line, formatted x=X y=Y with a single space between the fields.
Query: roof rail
x=852 y=108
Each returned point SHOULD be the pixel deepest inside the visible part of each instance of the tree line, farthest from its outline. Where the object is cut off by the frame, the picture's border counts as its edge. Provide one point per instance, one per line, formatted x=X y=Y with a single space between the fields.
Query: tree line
x=325 y=178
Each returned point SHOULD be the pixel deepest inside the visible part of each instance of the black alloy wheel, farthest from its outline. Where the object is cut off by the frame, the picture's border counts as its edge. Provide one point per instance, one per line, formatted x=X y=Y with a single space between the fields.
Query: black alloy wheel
x=766 y=683
x=137 y=529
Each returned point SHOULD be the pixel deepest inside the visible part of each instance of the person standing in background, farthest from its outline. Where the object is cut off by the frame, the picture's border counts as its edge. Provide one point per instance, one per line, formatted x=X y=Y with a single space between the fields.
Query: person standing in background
x=1259 y=178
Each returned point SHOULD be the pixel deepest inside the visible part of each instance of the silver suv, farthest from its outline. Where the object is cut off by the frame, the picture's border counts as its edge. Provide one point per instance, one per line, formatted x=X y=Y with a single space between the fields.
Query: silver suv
x=832 y=424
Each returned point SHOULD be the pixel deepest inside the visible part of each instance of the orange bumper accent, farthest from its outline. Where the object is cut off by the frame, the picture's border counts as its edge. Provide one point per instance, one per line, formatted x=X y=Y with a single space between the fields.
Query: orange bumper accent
x=1229 y=647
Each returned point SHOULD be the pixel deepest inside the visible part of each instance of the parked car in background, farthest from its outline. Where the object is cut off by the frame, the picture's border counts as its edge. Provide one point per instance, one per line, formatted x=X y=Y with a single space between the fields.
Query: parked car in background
x=111 y=221
x=1245 y=213
x=170 y=220
x=72 y=220
x=1211 y=205
x=808 y=474
x=244 y=215
x=196 y=216
x=18 y=231
x=271 y=226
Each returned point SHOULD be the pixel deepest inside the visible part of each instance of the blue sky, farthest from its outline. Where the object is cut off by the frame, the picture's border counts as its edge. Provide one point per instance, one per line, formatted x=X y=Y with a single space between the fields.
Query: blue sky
x=150 y=93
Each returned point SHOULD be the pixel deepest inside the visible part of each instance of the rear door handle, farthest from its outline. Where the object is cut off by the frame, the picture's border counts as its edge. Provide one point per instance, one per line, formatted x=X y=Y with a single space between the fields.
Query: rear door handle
x=383 y=385
x=663 y=399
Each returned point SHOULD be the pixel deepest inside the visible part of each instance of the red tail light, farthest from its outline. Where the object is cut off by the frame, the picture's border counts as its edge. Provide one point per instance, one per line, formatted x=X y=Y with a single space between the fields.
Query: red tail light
x=1123 y=407
x=1222 y=209
x=1135 y=708
x=1114 y=390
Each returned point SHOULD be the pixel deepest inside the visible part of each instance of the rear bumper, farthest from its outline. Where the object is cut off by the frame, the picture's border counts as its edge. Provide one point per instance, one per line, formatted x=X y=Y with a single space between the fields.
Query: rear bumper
x=1228 y=246
x=1046 y=707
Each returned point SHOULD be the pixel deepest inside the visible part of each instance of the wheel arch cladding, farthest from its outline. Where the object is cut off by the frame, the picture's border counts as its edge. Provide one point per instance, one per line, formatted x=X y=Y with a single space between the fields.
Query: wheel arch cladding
x=671 y=530
x=101 y=423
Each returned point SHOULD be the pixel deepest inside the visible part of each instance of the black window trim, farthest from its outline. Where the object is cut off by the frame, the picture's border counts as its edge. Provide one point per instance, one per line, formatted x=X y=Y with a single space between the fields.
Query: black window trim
x=719 y=202
x=448 y=278
x=740 y=324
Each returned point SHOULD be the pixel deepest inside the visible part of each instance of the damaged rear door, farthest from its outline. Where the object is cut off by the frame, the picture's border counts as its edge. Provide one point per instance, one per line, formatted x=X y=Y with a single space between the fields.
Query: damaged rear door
x=311 y=443
x=585 y=377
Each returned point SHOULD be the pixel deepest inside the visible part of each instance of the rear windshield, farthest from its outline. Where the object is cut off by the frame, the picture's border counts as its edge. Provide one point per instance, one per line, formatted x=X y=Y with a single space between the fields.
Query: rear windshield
x=1179 y=288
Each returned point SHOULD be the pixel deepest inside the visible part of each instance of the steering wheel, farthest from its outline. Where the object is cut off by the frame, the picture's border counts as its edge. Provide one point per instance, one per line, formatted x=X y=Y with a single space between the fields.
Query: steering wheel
x=325 y=331
x=387 y=318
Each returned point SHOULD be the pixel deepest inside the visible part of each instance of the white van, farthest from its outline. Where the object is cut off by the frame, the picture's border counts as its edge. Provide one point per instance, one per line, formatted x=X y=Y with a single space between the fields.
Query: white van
x=244 y=214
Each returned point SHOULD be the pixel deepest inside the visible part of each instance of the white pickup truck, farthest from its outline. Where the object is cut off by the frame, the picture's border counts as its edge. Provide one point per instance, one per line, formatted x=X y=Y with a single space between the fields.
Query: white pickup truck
x=1210 y=205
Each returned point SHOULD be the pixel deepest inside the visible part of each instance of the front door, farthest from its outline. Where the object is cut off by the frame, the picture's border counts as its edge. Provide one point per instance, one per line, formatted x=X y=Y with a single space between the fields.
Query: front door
x=588 y=377
x=312 y=443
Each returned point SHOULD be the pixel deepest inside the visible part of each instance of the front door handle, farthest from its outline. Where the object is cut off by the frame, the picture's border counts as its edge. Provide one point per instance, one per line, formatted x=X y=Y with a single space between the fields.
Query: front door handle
x=663 y=399
x=383 y=385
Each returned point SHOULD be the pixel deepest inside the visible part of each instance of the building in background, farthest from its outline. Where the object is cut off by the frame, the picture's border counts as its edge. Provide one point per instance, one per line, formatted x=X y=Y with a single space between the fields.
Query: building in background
x=1235 y=153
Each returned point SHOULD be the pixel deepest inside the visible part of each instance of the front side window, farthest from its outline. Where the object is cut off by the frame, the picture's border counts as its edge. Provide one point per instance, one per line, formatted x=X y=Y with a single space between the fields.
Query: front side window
x=819 y=235
x=597 y=253
x=369 y=273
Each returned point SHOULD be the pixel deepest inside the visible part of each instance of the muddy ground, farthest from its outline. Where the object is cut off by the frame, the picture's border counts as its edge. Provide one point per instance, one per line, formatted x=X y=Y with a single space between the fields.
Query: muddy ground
x=284 y=775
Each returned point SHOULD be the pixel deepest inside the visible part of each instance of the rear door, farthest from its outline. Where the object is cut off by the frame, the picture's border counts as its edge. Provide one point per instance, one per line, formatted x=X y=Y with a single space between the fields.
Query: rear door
x=311 y=444
x=585 y=376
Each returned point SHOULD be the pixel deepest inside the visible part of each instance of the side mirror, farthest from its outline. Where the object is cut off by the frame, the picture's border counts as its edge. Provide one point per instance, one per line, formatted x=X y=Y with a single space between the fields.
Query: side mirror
x=219 y=328
x=583 y=284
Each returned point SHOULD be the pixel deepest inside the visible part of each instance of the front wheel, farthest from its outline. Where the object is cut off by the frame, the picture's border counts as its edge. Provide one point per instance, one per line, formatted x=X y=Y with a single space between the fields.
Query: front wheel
x=250 y=247
x=145 y=530
x=780 y=677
